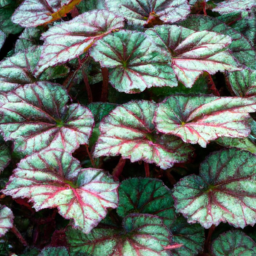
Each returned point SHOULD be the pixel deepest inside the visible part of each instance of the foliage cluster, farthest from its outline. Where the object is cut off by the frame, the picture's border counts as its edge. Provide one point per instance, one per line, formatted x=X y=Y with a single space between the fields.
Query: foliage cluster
x=127 y=127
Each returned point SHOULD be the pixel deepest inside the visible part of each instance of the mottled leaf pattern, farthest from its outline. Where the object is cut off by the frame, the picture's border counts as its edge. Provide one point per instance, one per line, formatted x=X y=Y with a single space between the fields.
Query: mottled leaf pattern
x=32 y=13
x=138 y=12
x=226 y=179
x=68 y=40
x=233 y=243
x=200 y=119
x=134 y=61
x=243 y=83
x=240 y=47
x=142 y=234
x=190 y=235
x=19 y=69
x=53 y=178
x=54 y=251
x=194 y=52
x=36 y=117
x=144 y=195
x=229 y=6
x=128 y=130
x=6 y=219
x=5 y=155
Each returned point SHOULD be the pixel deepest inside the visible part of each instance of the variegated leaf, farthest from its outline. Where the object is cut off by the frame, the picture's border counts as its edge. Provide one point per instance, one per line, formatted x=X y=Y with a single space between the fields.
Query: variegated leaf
x=36 y=117
x=129 y=131
x=53 y=178
x=192 y=52
x=200 y=119
x=69 y=40
x=6 y=219
x=134 y=61
x=224 y=191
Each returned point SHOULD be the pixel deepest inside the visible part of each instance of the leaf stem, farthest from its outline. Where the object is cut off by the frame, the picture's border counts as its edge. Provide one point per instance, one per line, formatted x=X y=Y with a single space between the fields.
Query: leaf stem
x=170 y=177
x=213 y=86
x=207 y=244
x=119 y=169
x=16 y=232
x=90 y=156
x=147 y=172
x=104 y=92
x=204 y=7
x=87 y=86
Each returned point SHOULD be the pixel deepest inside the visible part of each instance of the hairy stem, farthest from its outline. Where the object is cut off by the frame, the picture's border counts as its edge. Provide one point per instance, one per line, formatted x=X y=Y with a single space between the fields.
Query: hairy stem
x=104 y=92
x=119 y=169
x=16 y=232
x=147 y=172
x=87 y=86
x=204 y=7
x=207 y=244
x=90 y=156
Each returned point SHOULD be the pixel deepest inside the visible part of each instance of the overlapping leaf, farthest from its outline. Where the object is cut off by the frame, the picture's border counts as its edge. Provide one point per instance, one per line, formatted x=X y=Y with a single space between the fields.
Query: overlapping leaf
x=128 y=130
x=53 y=178
x=138 y=195
x=190 y=235
x=142 y=234
x=233 y=243
x=2 y=38
x=6 y=219
x=134 y=61
x=226 y=179
x=230 y=6
x=36 y=117
x=194 y=52
x=54 y=251
x=68 y=40
x=19 y=69
x=32 y=13
x=90 y=5
x=243 y=83
x=5 y=155
x=3 y=3
x=241 y=48
x=200 y=119
x=141 y=11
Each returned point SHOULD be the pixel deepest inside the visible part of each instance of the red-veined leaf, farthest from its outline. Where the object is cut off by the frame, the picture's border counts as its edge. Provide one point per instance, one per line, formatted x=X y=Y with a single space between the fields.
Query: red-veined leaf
x=134 y=61
x=129 y=131
x=235 y=243
x=142 y=234
x=32 y=13
x=229 y=6
x=194 y=52
x=36 y=117
x=6 y=219
x=139 y=12
x=53 y=178
x=226 y=179
x=200 y=119
x=144 y=195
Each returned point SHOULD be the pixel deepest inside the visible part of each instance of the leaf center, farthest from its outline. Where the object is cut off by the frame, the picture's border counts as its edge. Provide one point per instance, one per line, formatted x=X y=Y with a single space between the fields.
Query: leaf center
x=151 y=137
x=60 y=123
x=70 y=183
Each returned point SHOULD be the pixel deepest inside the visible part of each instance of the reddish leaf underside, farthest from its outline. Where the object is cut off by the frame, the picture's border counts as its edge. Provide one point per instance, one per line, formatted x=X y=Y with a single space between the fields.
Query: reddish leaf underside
x=226 y=179
x=200 y=119
x=53 y=178
x=36 y=117
x=128 y=130
x=32 y=13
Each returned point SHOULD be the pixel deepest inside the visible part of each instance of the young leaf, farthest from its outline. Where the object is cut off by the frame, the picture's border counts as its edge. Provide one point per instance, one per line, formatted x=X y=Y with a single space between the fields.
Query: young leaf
x=226 y=179
x=193 y=52
x=128 y=130
x=6 y=219
x=191 y=236
x=233 y=243
x=134 y=61
x=32 y=13
x=243 y=83
x=200 y=119
x=144 y=195
x=53 y=178
x=142 y=234
x=2 y=38
x=19 y=69
x=240 y=47
x=5 y=155
x=54 y=251
x=230 y=6
x=140 y=11
x=69 y=40
x=36 y=117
